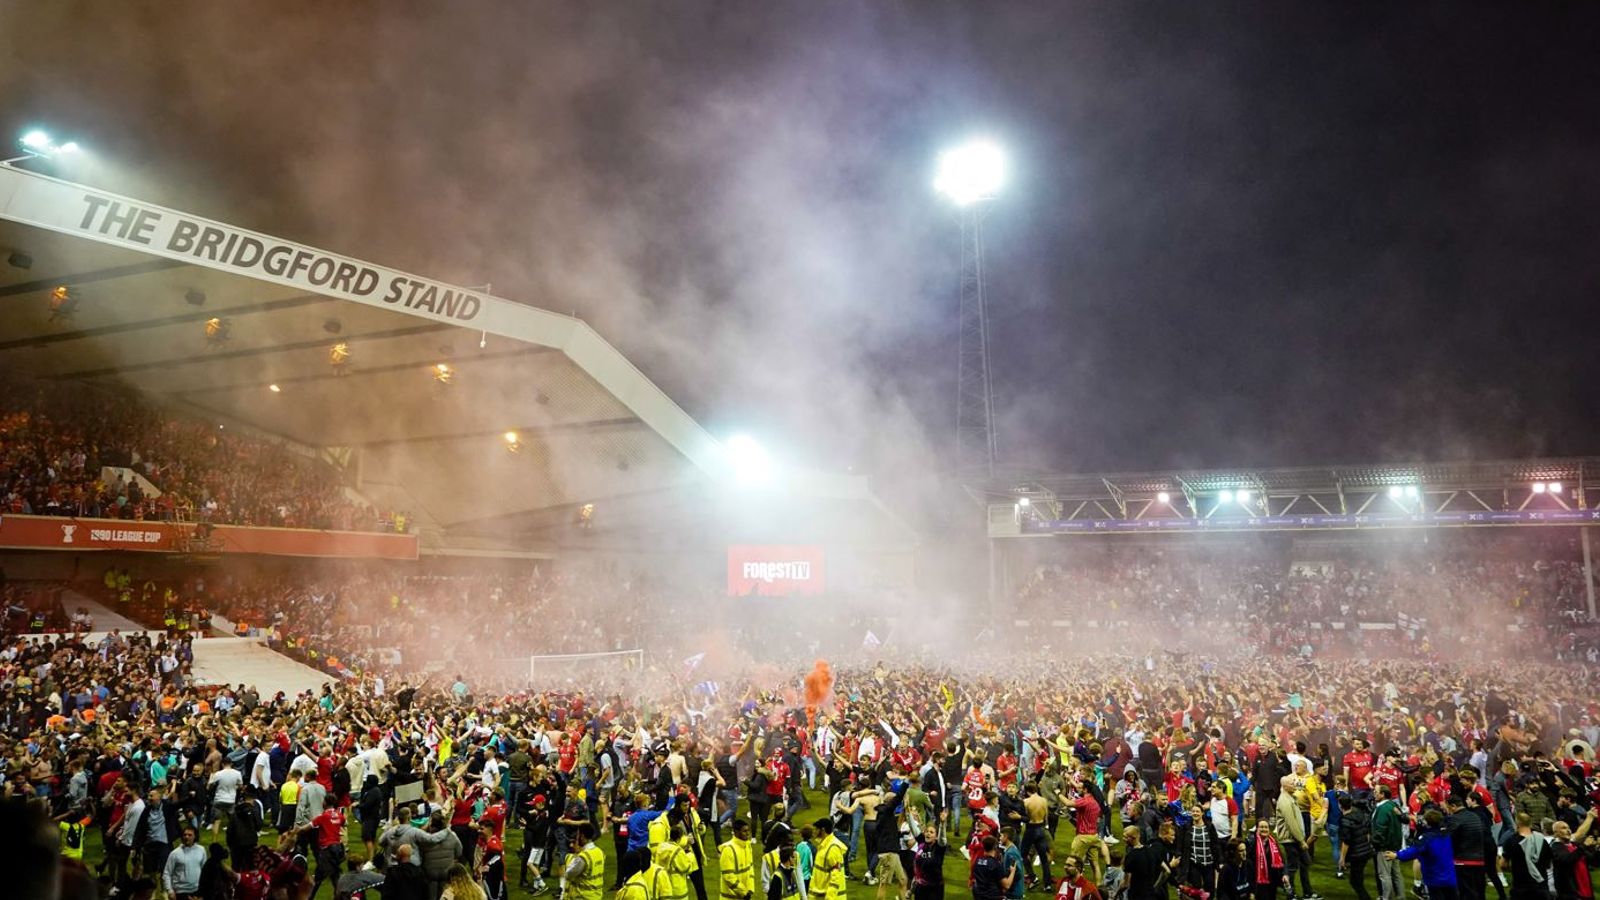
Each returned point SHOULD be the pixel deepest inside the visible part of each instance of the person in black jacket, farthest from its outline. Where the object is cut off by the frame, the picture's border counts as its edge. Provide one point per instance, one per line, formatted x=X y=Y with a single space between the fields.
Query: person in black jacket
x=403 y=880
x=927 y=863
x=1467 y=837
x=1355 y=843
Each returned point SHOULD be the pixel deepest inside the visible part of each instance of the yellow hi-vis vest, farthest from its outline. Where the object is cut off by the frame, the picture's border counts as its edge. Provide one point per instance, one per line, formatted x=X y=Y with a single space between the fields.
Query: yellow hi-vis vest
x=691 y=858
x=677 y=863
x=591 y=885
x=827 y=870
x=651 y=884
x=772 y=867
x=737 y=861
x=660 y=830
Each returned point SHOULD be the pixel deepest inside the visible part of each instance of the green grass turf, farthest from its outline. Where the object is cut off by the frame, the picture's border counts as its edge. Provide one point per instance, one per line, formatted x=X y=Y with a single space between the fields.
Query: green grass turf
x=1322 y=878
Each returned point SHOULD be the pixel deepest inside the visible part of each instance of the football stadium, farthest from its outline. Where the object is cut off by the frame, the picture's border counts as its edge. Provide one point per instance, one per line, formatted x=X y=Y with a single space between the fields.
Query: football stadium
x=331 y=577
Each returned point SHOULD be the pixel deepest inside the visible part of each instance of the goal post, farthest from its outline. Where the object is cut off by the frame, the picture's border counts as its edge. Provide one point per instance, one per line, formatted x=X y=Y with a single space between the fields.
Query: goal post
x=585 y=668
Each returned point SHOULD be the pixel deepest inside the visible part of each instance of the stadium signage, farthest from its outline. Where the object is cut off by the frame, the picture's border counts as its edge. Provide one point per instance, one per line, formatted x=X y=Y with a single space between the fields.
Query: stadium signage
x=1466 y=518
x=56 y=533
x=136 y=225
x=775 y=571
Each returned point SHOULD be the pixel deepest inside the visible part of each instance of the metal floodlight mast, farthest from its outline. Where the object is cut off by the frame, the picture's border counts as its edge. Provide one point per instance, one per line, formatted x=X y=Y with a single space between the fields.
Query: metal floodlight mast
x=970 y=176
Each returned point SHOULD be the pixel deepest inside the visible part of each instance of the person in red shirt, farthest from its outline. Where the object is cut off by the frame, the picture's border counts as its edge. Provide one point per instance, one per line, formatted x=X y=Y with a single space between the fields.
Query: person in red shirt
x=975 y=785
x=1005 y=768
x=1389 y=775
x=777 y=780
x=567 y=751
x=461 y=817
x=328 y=836
x=492 y=825
x=906 y=759
x=1358 y=766
x=1073 y=884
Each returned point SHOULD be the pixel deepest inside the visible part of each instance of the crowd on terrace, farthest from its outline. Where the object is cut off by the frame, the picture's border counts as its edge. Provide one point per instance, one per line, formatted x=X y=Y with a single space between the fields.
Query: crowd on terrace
x=57 y=440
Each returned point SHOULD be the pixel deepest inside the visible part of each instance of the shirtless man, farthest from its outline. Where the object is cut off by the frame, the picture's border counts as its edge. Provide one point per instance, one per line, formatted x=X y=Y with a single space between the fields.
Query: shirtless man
x=1036 y=834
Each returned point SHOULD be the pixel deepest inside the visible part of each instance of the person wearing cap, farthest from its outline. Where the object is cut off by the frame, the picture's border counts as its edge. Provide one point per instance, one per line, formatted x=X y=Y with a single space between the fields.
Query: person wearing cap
x=535 y=816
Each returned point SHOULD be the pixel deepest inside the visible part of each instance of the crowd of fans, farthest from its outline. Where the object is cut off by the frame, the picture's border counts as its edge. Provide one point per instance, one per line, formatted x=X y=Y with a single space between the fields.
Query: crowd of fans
x=1096 y=776
x=1355 y=597
x=1123 y=763
x=56 y=441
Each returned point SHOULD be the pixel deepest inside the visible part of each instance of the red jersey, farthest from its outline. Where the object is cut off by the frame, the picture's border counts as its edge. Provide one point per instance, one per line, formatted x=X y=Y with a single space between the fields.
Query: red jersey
x=780 y=774
x=493 y=820
x=1086 y=819
x=329 y=827
x=568 y=752
x=1001 y=765
x=905 y=758
x=1079 y=889
x=1387 y=776
x=1360 y=764
x=973 y=785
x=933 y=739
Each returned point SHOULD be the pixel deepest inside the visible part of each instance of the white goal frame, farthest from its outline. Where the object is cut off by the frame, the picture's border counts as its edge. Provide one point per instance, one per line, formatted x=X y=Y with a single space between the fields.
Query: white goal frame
x=557 y=665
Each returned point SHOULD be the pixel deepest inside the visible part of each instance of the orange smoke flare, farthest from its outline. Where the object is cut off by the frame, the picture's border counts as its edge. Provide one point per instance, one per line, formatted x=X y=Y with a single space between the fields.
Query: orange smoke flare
x=819 y=685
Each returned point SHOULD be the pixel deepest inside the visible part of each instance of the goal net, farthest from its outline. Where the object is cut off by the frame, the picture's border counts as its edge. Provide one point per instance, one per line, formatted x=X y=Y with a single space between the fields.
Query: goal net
x=613 y=667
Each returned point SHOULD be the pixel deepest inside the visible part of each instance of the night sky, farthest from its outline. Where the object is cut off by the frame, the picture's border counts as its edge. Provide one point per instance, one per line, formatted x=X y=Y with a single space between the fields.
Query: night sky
x=1265 y=234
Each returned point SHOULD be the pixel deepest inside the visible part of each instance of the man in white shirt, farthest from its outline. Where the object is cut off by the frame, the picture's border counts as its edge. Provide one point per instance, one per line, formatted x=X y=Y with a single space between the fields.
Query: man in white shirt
x=129 y=830
x=261 y=772
x=227 y=782
x=491 y=768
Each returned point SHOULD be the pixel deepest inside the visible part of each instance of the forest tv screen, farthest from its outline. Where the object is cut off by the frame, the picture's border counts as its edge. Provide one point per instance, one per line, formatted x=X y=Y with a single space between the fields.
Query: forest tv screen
x=776 y=570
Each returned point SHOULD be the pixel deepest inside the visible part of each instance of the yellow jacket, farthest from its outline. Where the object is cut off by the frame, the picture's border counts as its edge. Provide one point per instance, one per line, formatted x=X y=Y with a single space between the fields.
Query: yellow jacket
x=737 y=860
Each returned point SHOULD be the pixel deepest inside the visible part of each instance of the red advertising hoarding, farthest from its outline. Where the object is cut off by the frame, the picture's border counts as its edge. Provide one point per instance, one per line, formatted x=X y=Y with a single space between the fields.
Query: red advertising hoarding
x=776 y=570
x=55 y=533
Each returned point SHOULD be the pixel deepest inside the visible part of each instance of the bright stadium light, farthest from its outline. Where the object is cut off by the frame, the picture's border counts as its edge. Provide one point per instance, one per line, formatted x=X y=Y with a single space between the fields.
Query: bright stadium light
x=1226 y=496
x=971 y=173
x=748 y=460
x=1412 y=492
x=1538 y=487
x=1025 y=502
x=1555 y=487
x=1164 y=498
x=1394 y=492
x=37 y=144
x=1244 y=497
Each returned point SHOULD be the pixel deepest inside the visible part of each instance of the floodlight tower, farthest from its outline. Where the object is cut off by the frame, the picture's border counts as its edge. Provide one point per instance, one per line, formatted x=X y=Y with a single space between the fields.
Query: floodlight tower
x=970 y=176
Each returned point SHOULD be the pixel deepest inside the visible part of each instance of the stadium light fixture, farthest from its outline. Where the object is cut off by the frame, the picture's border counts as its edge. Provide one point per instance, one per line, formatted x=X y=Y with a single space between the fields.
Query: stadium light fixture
x=1555 y=487
x=1412 y=492
x=748 y=460
x=1025 y=502
x=1164 y=498
x=37 y=144
x=1244 y=497
x=971 y=173
x=1394 y=492
x=1538 y=487
x=274 y=388
x=1226 y=496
